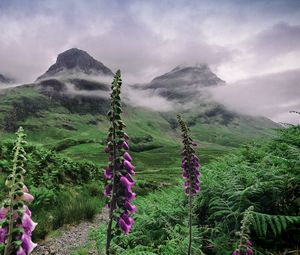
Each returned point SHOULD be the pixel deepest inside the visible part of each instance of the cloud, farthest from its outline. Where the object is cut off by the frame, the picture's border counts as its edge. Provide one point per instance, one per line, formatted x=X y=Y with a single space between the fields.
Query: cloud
x=238 y=39
x=142 y=38
x=147 y=99
x=272 y=95
x=279 y=39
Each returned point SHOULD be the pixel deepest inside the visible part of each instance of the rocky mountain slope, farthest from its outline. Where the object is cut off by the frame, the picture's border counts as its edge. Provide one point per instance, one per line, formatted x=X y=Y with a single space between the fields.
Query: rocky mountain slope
x=5 y=80
x=76 y=61
x=72 y=105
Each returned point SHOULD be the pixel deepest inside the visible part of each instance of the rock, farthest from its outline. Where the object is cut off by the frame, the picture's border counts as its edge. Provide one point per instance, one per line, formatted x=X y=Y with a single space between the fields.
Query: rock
x=76 y=61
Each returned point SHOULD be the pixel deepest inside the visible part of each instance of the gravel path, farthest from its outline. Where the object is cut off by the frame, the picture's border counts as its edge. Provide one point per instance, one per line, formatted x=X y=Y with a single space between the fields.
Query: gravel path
x=71 y=238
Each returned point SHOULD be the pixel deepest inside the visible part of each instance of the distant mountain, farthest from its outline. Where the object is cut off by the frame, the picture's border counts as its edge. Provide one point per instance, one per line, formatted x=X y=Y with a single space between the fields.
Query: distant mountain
x=199 y=75
x=183 y=82
x=72 y=98
x=4 y=79
x=75 y=61
x=76 y=76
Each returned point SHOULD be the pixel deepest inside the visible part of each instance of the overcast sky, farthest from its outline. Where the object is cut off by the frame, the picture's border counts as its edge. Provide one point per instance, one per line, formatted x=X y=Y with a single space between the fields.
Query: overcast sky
x=242 y=41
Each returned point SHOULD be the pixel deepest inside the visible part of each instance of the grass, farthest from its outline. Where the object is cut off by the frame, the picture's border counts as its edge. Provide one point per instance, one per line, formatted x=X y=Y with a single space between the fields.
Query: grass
x=72 y=206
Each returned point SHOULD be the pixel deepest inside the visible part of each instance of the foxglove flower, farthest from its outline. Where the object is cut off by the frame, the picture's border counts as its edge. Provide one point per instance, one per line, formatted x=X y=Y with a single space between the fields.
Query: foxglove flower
x=16 y=224
x=190 y=171
x=190 y=162
x=245 y=245
x=118 y=173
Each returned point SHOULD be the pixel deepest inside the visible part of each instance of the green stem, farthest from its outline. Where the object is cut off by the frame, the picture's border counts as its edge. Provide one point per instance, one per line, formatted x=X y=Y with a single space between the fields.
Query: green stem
x=190 y=222
x=8 y=246
x=113 y=200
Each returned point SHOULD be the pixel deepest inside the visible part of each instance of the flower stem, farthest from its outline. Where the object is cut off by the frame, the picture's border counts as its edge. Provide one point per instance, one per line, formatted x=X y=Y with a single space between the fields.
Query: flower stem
x=8 y=247
x=190 y=222
x=114 y=187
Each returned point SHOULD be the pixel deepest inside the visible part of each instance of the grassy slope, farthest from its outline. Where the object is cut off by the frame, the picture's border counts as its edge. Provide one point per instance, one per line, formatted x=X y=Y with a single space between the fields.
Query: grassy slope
x=50 y=124
x=264 y=175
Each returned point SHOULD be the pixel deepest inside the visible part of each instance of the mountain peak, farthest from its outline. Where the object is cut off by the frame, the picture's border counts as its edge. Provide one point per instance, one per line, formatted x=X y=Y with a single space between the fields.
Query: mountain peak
x=196 y=66
x=5 y=79
x=189 y=74
x=76 y=61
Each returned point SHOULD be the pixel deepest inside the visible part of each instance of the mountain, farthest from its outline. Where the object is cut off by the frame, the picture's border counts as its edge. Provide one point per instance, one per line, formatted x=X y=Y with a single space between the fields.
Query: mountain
x=76 y=61
x=76 y=80
x=6 y=80
x=66 y=111
x=182 y=76
x=184 y=83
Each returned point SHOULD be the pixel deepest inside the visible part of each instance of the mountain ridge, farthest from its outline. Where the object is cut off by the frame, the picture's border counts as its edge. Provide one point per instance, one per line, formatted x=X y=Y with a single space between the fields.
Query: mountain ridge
x=6 y=80
x=76 y=61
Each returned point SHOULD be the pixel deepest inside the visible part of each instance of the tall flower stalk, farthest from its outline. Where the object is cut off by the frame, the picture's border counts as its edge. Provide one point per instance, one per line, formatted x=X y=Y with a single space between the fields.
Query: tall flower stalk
x=245 y=245
x=16 y=224
x=190 y=171
x=119 y=171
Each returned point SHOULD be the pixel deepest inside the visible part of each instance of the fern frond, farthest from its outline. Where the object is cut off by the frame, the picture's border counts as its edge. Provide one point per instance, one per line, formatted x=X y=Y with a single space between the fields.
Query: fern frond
x=277 y=224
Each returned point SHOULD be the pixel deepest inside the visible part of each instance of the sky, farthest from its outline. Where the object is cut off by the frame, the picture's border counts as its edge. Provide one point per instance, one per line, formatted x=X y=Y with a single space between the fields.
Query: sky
x=252 y=45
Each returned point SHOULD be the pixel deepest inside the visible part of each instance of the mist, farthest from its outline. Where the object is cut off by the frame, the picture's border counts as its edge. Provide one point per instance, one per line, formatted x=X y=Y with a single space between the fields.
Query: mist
x=272 y=95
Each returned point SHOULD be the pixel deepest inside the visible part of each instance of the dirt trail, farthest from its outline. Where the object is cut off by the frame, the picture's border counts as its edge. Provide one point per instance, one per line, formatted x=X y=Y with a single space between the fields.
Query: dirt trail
x=71 y=238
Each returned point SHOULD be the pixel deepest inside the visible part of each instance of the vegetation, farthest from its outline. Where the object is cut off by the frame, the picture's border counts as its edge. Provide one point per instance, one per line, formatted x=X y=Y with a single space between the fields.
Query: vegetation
x=119 y=171
x=60 y=186
x=16 y=223
x=252 y=193
x=263 y=175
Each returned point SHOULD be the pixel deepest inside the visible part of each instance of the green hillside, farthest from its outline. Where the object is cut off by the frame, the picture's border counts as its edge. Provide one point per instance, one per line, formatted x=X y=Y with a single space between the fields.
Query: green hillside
x=264 y=175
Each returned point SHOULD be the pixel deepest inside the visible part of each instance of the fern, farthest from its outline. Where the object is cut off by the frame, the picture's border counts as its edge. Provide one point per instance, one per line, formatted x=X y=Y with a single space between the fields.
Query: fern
x=277 y=224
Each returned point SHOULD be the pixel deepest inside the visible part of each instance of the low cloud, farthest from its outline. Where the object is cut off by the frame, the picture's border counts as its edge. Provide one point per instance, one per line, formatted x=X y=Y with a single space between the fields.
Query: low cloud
x=146 y=98
x=272 y=95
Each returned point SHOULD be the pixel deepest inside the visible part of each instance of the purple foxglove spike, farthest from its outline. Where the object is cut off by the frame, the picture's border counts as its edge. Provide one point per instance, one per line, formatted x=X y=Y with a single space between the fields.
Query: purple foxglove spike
x=111 y=158
x=197 y=173
x=26 y=197
x=131 y=172
x=196 y=165
x=129 y=178
x=21 y=251
x=107 y=149
x=235 y=252
x=125 y=145
x=131 y=208
x=126 y=183
x=183 y=159
x=249 y=251
x=196 y=189
x=248 y=242
x=186 y=184
x=125 y=227
x=3 y=212
x=3 y=233
x=107 y=190
x=128 y=166
x=129 y=196
x=128 y=220
x=184 y=164
x=196 y=181
x=127 y=156
x=195 y=157
x=26 y=210
x=194 y=144
x=28 y=224
x=27 y=244
x=108 y=173
x=25 y=189
x=126 y=137
x=185 y=174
